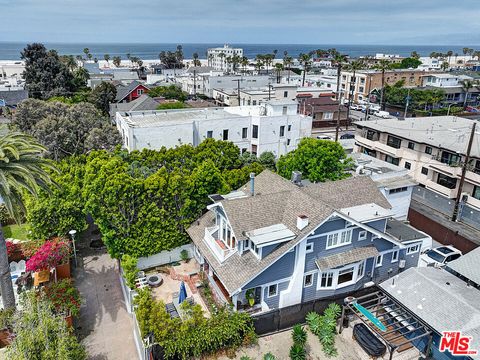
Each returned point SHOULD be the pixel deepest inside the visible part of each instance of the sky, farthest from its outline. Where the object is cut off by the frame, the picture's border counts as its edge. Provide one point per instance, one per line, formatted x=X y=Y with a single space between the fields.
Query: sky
x=400 y=22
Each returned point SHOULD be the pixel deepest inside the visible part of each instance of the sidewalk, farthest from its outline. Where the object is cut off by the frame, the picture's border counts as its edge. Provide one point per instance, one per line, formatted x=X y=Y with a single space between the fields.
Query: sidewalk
x=104 y=326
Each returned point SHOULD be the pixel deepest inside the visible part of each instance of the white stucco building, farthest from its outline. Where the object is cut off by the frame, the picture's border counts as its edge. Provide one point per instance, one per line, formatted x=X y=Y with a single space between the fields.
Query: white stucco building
x=216 y=57
x=274 y=127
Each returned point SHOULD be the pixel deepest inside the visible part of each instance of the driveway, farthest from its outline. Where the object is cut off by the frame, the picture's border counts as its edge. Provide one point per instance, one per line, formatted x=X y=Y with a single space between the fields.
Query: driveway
x=104 y=325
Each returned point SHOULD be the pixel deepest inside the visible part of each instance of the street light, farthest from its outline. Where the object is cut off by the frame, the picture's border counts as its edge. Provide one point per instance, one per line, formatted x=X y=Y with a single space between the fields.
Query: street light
x=72 y=234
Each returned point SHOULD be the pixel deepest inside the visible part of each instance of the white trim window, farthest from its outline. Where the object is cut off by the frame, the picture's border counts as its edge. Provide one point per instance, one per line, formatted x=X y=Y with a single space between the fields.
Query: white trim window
x=339 y=238
x=361 y=270
x=272 y=290
x=309 y=248
x=394 y=256
x=325 y=280
x=346 y=276
x=413 y=249
x=379 y=260
x=362 y=235
x=308 y=280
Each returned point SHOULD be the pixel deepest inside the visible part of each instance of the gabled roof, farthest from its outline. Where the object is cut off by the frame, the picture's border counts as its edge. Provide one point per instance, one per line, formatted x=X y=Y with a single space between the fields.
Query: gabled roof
x=468 y=265
x=142 y=103
x=279 y=201
x=124 y=90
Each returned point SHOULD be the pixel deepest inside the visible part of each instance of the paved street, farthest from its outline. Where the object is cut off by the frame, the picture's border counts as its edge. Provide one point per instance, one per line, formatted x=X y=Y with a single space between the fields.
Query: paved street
x=104 y=326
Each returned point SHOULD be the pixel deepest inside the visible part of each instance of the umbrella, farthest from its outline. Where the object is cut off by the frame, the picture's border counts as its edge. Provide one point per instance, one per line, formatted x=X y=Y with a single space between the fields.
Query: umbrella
x=183 y=293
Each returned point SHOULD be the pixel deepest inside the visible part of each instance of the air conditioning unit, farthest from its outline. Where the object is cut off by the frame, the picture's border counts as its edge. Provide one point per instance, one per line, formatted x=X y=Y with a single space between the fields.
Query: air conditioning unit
x=401 y=264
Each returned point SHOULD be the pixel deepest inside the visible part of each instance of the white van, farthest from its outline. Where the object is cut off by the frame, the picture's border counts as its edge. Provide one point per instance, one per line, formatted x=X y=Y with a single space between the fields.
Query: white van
x=382 y=114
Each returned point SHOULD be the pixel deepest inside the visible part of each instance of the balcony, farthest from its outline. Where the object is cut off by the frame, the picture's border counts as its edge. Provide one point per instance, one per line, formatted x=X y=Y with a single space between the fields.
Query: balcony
x=217 y=246
x=450 y=193
x=378 y=146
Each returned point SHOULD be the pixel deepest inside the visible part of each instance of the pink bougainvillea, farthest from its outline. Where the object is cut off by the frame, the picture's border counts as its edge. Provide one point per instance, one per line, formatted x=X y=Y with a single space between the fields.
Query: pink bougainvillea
x=51 y=254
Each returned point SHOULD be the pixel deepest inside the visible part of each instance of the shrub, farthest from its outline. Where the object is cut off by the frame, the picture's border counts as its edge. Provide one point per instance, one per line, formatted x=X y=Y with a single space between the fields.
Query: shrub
x=51 y=254
x=299 y=335
x=13 y=248
x=297 y=352
x=245 y=357
x=324 y=326
x=5 y=218
x=269 y=356
x=130 y=270
x=64 y=297
x=184 y=255
x=195 y=335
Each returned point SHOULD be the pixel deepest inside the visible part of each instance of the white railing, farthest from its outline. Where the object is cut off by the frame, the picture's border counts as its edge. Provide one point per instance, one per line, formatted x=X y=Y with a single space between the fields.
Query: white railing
x=220 y=253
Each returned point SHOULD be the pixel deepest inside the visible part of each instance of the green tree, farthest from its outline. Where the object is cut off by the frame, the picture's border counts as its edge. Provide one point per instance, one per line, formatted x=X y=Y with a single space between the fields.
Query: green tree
x=338 y=60
x=317 y=160
x=267 y=159
x=383 y=65
x=42 y=335
x=59 y=210
x=106 y=58
x=306 y=61
x=171 y=92
x=117 y=60
x=102 y=96
x=466 y=86
x=45 y=75
x=196 y=62
x=22 y=169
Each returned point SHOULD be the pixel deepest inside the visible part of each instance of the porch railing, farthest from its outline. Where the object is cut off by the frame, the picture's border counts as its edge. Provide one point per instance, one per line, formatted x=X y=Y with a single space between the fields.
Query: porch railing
x=212 y=243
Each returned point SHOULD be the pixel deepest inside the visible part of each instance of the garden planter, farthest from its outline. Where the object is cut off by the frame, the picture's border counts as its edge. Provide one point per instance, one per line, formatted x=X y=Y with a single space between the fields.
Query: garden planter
x=41 y=277
x=63 y=271
x=69 y=320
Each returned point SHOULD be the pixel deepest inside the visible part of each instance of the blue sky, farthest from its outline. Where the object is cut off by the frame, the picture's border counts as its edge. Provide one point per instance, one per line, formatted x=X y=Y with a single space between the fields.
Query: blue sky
x=428 y=22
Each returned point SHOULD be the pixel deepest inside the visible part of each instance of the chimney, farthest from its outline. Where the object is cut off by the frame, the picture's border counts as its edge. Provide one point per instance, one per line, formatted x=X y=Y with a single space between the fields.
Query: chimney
x=297 y=178
x=302 y=222
x=252 y=184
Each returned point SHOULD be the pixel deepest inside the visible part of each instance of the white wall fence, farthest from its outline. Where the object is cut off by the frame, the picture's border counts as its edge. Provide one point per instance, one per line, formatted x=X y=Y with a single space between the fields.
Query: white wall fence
x=164 y=257
x=128 y=293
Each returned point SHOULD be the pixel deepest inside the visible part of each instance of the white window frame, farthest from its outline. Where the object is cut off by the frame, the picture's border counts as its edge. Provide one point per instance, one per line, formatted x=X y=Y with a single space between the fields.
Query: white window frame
x=378 y=264
x=337 y=238
x=396 y=253
x=305 y=278
x=139 y=92
x=362 y=235
x=413 y=249
x=309 y=248
x=357 y=276
x=319 y=281
x=328 y=115
x=268 y=290
x=354 y=270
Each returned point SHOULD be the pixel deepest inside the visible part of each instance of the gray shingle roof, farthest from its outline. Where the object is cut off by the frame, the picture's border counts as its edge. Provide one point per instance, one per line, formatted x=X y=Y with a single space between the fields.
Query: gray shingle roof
x=403 y=232
x=278 y=200
x=440 y=299
x=468 y=266
x=144 y=102
x=346 y=257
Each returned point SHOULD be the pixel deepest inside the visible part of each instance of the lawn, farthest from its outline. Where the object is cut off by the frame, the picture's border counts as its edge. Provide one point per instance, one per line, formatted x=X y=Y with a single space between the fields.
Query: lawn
x=19 y=232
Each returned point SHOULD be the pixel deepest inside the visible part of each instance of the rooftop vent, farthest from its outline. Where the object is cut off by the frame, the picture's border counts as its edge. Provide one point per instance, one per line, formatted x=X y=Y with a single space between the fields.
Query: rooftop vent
x=302 y=222
x=297 y=178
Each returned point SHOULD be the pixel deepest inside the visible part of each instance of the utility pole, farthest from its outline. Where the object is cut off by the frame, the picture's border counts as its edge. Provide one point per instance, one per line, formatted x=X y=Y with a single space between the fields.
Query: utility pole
x=238 y=89
x=337 y=129
x=464 y=171
x=367 y=110
x=406 y=104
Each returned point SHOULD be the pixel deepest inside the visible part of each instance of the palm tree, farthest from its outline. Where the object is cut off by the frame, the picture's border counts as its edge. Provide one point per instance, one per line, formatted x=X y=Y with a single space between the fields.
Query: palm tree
x=414 y=55
x=222 y=56
x=117 y=60
x=354 y=66
x=449 y=54
x=287 y=62
x=305 y=60
x=338 y=60
x=244 y=62
x=383 y=65
x=466 y=86
x=22 y=168
x=259 y=61
x=107 y=58
x=278 y=69
x=196 y=62
x=86 y=51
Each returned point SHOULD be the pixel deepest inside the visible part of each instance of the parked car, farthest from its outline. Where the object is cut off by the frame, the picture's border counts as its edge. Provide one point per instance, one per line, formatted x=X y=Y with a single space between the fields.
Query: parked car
x=355 y=107
x=324 y=137
x=382 y=114
x=439 y=256
x=347 y=136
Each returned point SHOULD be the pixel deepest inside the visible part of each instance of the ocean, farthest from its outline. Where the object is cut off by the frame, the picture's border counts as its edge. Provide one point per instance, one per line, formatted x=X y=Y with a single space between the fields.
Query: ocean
x=11 y=50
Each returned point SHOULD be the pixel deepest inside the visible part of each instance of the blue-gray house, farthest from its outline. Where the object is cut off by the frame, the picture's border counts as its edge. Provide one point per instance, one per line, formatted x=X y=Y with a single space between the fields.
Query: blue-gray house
x=285 y=243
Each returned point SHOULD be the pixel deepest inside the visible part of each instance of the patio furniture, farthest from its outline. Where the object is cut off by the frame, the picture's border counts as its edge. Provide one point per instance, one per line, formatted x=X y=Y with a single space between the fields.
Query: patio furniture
x=155 y=280
x=141 y=283
x=171 y=310
x=368 y=341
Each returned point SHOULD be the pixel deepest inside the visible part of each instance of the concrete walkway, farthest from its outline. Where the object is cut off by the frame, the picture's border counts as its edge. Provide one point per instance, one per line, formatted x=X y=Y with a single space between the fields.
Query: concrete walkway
x=104 y=325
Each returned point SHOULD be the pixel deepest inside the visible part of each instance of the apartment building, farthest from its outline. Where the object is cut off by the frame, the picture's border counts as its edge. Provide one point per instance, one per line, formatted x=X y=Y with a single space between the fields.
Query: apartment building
x=433 y=149
x=451 y=84
x=274 y=127
x=366 y=81
x=217 y=57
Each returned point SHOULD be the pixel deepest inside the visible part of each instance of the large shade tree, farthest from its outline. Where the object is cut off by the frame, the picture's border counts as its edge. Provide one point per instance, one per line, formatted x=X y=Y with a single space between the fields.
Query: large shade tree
x=22 y=169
